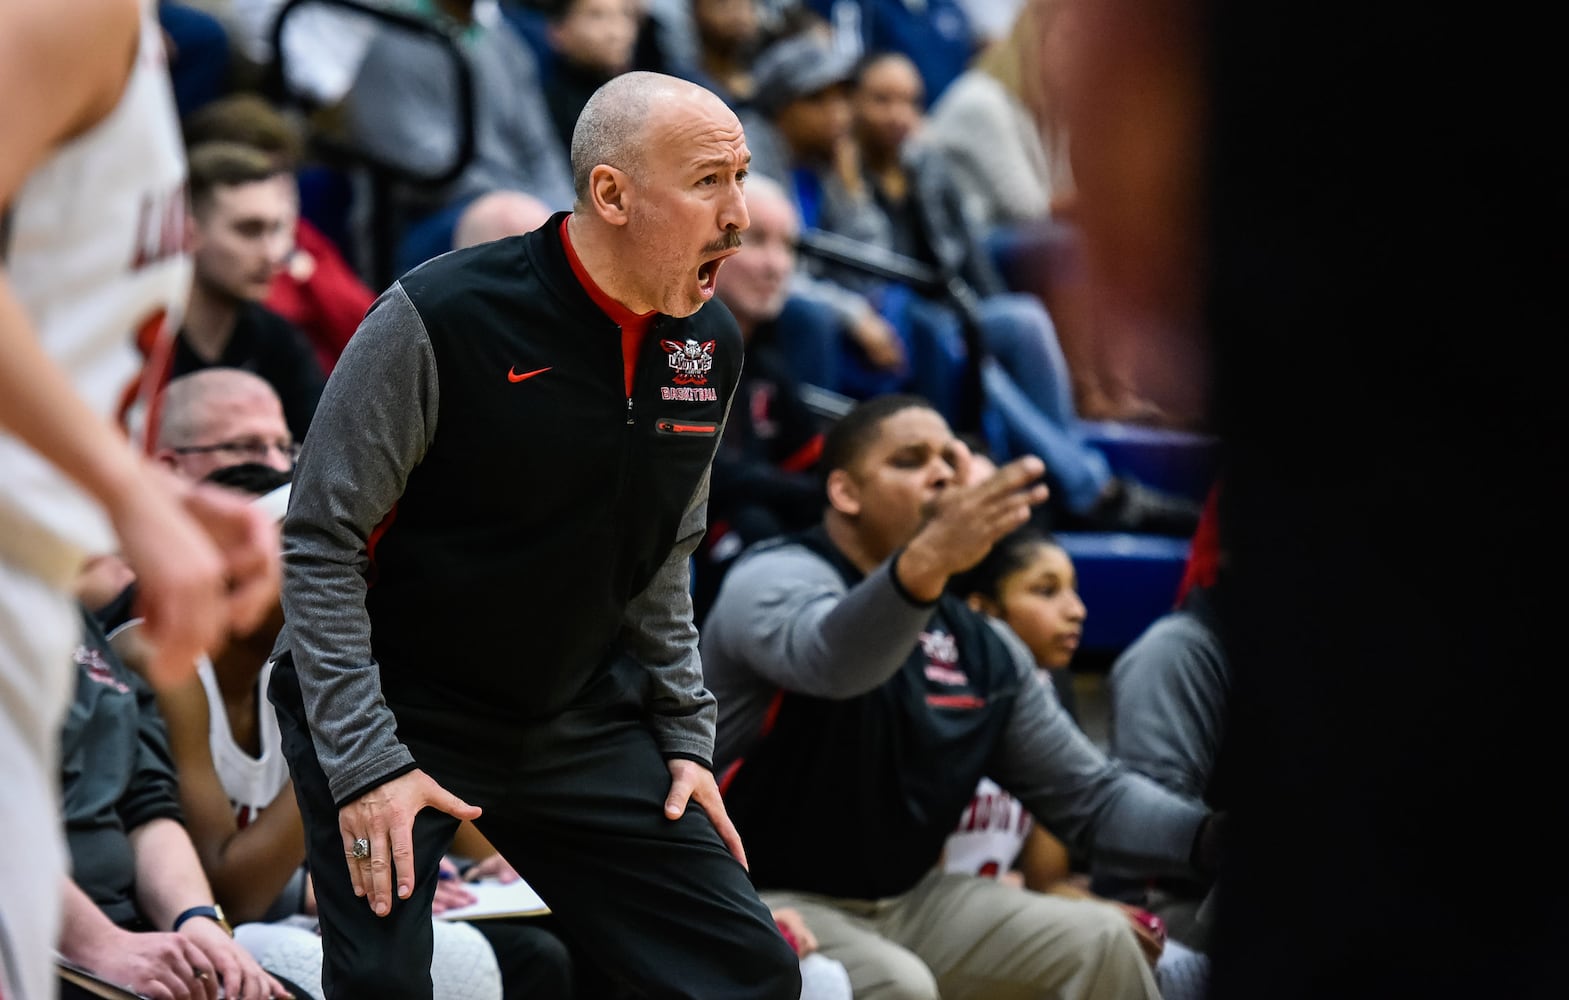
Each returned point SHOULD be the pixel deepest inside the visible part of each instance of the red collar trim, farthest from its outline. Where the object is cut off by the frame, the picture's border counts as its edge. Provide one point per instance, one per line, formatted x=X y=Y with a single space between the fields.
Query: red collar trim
x=623 y=317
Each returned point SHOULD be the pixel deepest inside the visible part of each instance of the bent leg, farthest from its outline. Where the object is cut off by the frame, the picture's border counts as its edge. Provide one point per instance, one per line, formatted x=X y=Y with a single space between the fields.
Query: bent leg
x=577 y=806
x=1076 y=467
x=534 y=962
x=1021 y=336
x=1019 y=944
x=363 y=955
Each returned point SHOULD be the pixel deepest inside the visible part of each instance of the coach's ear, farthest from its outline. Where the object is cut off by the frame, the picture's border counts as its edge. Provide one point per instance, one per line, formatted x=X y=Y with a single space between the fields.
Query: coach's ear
x=844 y=493
x=608 y=190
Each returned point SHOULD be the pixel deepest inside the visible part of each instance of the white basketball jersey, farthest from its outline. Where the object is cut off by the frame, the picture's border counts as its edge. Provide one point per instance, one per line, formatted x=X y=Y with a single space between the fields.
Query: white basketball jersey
x=990 y=834
x=94 y=246
x=250 y=782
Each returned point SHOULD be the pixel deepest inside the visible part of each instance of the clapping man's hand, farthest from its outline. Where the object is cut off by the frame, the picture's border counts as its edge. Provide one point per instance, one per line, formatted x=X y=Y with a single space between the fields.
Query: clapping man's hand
x=967 y=520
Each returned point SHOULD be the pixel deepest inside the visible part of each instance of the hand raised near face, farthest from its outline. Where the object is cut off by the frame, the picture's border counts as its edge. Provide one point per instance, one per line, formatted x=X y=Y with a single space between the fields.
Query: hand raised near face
x=968 y=518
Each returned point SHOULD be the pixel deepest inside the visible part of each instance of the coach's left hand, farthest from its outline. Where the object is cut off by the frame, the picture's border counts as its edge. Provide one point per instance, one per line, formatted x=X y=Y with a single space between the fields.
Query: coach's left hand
x=385 y=817
x=692 y=781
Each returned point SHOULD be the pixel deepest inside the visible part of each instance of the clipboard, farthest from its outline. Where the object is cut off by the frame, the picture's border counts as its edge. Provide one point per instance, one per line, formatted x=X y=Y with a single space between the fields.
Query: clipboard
x=494 y=899
x=78 y=982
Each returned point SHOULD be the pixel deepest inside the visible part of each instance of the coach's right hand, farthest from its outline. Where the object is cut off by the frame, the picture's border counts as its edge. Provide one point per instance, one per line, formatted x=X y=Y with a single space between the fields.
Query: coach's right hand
x=384 y=816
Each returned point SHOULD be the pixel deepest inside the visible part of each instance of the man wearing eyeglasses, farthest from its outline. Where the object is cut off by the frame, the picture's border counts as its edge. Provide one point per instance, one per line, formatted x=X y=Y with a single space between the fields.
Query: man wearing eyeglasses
x=218 y=417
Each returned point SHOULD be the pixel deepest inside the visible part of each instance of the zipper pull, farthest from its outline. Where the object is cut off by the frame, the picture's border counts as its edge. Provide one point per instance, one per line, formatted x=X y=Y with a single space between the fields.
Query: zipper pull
x=629 y=411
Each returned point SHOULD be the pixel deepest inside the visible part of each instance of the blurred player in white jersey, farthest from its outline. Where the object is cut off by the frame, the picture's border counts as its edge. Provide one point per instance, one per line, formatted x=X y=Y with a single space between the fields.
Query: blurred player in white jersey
x=93 y=277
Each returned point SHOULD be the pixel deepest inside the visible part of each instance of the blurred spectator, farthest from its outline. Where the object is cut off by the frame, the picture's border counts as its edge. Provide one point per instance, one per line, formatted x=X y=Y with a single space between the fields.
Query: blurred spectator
x=897 y=196
x=316 y=289
x=592 y=41
x=1170 y=694
x=403 y=109
x=764 y=480
x=798 y=112
x=860 y=706
x=198 y=50
x=496 y=215
x=935 y=34
x=1000 y=126
x=218 y=417
x=138 y=910
x=728 y=33
x=242 y=226
x=917 y=190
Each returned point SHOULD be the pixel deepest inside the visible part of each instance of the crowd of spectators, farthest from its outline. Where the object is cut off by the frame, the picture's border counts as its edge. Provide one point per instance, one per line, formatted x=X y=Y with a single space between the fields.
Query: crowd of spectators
x=927 y=135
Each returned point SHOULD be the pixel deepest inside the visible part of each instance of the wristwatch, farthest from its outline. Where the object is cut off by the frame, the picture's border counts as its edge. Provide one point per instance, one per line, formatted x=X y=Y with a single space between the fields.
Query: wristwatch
x=213 y=913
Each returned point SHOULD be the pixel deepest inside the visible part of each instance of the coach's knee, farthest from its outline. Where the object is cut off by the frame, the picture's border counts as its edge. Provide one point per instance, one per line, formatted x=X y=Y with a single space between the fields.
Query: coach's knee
x=779 y=969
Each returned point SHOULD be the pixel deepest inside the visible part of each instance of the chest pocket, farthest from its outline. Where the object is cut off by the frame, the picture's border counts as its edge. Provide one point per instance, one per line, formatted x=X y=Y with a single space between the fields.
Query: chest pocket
x=685 y=428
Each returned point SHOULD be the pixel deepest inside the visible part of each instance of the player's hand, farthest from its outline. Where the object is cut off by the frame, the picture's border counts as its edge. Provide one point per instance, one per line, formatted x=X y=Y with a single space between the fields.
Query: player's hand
x=450 y=893
x=179 y=572
x=247 y=540
x=793 y=925
x=384 y=816
x=877 y=338
x=691 y=781
x=494 y=867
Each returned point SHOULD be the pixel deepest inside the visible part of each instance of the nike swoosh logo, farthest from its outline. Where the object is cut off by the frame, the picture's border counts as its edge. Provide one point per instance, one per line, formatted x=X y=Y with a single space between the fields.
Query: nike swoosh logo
x=513 y=376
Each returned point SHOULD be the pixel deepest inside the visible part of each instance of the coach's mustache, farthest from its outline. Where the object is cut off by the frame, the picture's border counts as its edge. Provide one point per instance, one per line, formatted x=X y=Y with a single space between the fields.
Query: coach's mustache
x=730 y=241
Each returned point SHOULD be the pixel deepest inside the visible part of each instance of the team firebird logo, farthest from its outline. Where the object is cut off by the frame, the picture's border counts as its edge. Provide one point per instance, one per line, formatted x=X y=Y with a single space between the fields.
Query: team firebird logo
x=691 y=360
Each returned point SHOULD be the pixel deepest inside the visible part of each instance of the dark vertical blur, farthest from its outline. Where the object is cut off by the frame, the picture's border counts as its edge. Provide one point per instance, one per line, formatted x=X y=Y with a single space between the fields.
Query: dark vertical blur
x=1383 y=231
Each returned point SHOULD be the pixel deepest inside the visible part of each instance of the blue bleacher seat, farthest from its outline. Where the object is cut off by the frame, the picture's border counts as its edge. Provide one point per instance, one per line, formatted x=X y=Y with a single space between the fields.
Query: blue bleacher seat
x=1127 y=581
x=1180 y=462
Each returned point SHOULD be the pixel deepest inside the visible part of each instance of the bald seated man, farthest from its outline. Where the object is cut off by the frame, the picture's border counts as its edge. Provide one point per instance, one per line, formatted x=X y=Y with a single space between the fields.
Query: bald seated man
x=220 y=417
x=486 y=578
x=497 y=215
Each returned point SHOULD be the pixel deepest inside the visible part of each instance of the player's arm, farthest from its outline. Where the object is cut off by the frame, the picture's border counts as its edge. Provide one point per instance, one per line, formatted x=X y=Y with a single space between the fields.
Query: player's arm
x=40 y=107
x=183 y=541
x=247 y=868
x=1093 y=803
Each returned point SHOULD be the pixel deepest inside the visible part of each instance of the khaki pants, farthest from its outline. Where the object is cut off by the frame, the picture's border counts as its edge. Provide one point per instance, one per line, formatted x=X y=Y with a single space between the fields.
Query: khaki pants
x=959 y=936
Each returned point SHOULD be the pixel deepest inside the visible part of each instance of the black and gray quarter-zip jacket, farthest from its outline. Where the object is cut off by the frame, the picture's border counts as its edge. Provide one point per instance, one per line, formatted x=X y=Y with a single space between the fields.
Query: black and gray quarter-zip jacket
x=483 y=518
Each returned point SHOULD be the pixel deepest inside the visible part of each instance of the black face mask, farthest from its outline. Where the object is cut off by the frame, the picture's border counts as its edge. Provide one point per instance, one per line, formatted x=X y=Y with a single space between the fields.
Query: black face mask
x=249 y=477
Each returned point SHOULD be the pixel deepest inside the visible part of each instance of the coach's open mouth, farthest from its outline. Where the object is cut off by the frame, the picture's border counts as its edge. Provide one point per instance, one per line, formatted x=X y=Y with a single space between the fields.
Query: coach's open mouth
x=708 y=274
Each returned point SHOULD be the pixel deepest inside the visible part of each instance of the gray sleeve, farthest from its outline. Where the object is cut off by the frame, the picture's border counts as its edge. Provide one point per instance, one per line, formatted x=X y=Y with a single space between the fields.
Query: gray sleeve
x=660 y=633
x=789 y=619
x=1123 y=819
x=996 y=153
x=1168 y=695
x=376 y=420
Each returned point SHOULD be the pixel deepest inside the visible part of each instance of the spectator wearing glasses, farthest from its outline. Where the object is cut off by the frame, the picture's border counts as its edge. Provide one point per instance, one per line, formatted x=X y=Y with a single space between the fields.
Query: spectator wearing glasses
x=210 y=420
x=219 y=417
